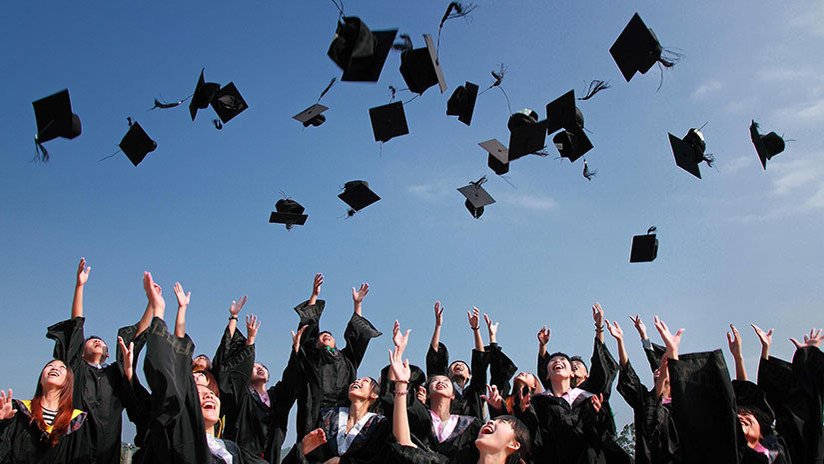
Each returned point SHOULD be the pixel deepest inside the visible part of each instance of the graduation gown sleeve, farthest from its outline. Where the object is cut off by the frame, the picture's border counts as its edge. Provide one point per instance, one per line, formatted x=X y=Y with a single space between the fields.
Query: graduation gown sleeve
x=501 y=368
x=358 y=333
x=437 y=361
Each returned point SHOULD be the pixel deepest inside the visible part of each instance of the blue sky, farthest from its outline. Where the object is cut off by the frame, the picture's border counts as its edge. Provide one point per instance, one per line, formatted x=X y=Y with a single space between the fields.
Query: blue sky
x=740 y=245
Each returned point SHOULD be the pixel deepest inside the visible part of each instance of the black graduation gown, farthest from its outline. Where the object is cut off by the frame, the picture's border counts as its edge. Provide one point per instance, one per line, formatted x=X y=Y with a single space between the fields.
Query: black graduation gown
x=252 y=424
x=563 y=433
x=327 y=373
x=136 y=397
x=467 y=402
x=656 y=439
x=370 y=446
x=459 y=446
x=501 y=368
x=421 y=455
x=97 y=391
x=795 y=391
x=21 y=442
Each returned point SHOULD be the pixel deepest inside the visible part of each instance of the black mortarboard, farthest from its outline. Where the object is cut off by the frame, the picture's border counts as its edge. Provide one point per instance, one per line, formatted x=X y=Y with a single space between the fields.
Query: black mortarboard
x=751 y=397
x=421 y=69
x=359 y=52
x=289 y=212
x=563 y=113
x=228 y=103
x=204 y=93
x=526 y=134
x=767 y=145
x=136 y=144
x=388 y=121
x=498 y=159
x=357 y=195
x=476 y=197
x=689 y=152
x=644 y=247
x=312 y=116
x=55 y=118
x=636 y=49
x=462 y=102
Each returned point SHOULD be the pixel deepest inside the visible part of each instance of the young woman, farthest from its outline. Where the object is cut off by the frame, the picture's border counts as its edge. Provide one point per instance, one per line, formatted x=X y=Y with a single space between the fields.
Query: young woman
x=47 y=429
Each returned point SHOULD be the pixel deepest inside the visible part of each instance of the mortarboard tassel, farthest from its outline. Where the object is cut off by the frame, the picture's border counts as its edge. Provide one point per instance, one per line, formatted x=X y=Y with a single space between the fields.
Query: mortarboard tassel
x=594 y=87
x=453 y=11
x=651 y=230
x=339 y=7
x=164 y=105
x=329 y=86
x=499 y=78
x=40 y=152
x=587 y=173
x=667 y=59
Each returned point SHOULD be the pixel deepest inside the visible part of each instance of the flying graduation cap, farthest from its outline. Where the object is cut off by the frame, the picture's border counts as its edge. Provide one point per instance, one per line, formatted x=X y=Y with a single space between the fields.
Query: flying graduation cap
x=689 y=152
x=562 y=113
x=644 y=247
x=358 y=51
x=421 y=68
x=767 y=145
x=357 y=195
x=476 y=197
x=288 y=212
x=526 y=134
x=226 y=101
x=462 y=102
x=54 y=119
x=313 y=116
x=498 y=156
x=388 y=121
x=137 y=144
x=637 y=48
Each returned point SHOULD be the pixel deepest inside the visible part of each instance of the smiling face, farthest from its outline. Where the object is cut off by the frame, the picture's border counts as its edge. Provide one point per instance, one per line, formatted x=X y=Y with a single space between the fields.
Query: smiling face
x=209 y=406
x=260 y=373
x=750 y=426
x=53 y=375
x=95 y=350
x=525 y=379
x=441 y=386
x=459 y=371
x=363 y=389
x=559 y=368
x=325 y=339
x=579 y=372
x=496 y=436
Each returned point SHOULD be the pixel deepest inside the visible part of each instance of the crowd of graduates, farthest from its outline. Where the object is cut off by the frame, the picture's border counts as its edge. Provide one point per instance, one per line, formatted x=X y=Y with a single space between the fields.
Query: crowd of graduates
x=225 y=409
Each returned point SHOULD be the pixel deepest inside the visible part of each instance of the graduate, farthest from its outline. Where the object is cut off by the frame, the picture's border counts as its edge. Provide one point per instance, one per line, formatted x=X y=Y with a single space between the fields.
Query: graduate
x=46 y=429
x=328 y=370
x=98 y=386
x=505 y=440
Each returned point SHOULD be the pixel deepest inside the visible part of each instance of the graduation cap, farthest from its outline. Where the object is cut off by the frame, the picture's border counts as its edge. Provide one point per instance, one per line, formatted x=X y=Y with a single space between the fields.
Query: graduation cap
x=462 y=102
x=359 y=52
x=55 y=119
x=644 y=247
x=289 y=212
x=637 y=48
x=312 y=116
x=421 y=69
x=357 y=195
x=563 y=113
x=526 y=134
x=136 y=144
x=205 y=92
x=228 y=103
x=767 y=145
x=689 y=152
x=476 y=197
x=498 y=159
x=752 y=398
x=388 y=121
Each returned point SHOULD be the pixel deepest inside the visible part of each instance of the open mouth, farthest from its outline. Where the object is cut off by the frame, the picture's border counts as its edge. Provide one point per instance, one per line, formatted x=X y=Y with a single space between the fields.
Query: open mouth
x=488 y=429
x=209 y=404
x=54 y=374
x=355 y=386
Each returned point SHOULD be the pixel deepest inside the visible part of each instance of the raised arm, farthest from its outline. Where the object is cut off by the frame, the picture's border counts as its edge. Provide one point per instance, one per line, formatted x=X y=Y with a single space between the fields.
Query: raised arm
x=436 y=333
x=316 y=289
x=474 y=318
x=598 y=318
x=501 y=368
x=734 y=342
x=492 y=328
x=766 y=340
x=252 y=326
x=359 y=331
x=154 y=294
x=82 y=277
x=234 y=310
x=183 y=299
x=541 y=370
x=128 y=358
x=358 y=296
x=618 y=335
x=400 y=373
x=671 y=341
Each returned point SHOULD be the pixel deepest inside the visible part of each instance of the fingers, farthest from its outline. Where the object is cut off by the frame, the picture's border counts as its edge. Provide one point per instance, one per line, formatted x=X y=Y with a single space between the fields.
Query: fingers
x=487 y=320
x=795 y=342
x=729 y=338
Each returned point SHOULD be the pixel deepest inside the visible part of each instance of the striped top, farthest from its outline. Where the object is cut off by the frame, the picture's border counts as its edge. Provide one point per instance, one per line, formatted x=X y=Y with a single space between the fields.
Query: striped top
x=48 y=416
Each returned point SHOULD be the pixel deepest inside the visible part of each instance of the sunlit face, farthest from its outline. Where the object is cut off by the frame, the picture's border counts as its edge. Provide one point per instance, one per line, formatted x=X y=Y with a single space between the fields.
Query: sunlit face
x=209 y=406
x=362 y=389
x=559 y=368
x=496 y=436
x=200 y=379
x=459 y=370
x=94 y=349
x=750 y=426
x=326 y=340
x=579 y=372
x=200 y=363
x=260 y=373
x=53 y=375
x=525 y=379
x=441 y=386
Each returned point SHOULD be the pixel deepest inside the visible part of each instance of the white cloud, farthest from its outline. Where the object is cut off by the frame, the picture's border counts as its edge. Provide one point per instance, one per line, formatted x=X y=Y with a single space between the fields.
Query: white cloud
x=809 y=112
x=706 y=89
x=526 y=201
x=812 y=20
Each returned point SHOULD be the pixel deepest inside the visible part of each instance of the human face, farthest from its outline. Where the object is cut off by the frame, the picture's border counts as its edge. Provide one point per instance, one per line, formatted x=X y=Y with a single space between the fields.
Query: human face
x=326 y=340
x=459 y=370
x=526 y=379
x=750 y=426
x=200 y=363
x=260 y=373
x=95 y=350
x=362 y=389
x=559 y=368
x=209 y=406
x=200 y=379
x=441 y=385
x=53 y=375
x=579 y=372
x=496 y=436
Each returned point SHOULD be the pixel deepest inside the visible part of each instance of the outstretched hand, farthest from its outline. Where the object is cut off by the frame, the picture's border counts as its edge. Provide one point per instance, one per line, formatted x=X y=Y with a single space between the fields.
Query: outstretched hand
x=474 y=317
x=316 y=284
x=597 y=402
x=252 y=326
x=128 y=357
x=83 y=272
x=493 y=398
x=358 y=296
x=183 y=298
x=296 y=338
x=399 y=339
x=734 y=341
x=399 y=366
x=237 y=305
x=7 y=410
x=312 y=440
x=524 y=399
x=815 y=338
x=154 y=293
x=672 y=341
x=439 y=314
x=764 y=337
x=598 y=315
x=639 y=326
x=491 y=326
x=543 y=336
x=615 y=330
